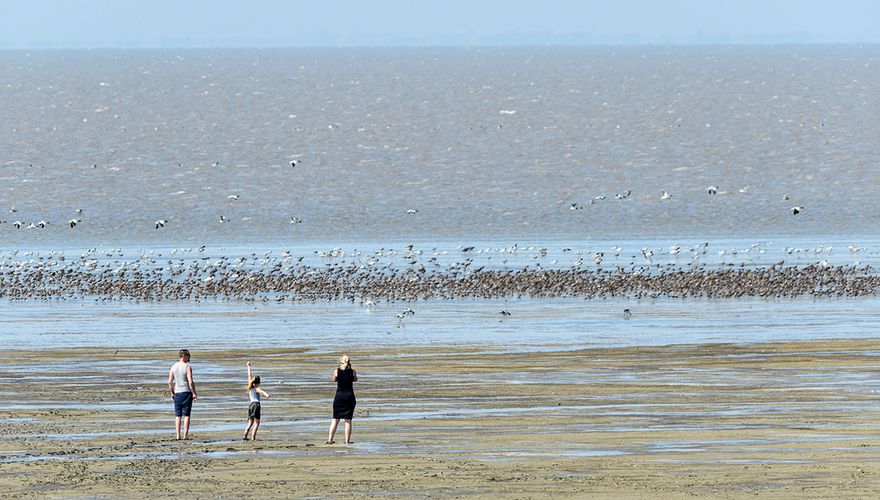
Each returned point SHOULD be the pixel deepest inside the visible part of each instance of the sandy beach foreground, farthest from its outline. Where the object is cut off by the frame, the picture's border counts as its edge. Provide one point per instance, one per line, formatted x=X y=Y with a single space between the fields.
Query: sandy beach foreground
x=780 y=420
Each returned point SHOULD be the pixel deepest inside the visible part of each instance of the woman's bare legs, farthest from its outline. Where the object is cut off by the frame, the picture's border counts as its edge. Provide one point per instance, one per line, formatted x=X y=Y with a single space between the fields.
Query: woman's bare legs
x=333 y=425
x=347 y=430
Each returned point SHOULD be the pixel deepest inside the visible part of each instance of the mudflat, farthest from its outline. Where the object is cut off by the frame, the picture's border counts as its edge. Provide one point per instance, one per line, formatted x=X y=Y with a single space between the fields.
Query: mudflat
x=775 y=420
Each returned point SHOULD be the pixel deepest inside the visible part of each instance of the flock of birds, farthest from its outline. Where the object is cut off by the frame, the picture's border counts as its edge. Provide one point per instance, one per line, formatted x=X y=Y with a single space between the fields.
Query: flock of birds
x=664 y=195
x=410 y=274
x=158 y=224
x=161 y=223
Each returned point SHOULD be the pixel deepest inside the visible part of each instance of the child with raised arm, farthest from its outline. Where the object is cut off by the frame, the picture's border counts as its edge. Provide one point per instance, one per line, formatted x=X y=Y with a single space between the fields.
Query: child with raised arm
x=254 y=393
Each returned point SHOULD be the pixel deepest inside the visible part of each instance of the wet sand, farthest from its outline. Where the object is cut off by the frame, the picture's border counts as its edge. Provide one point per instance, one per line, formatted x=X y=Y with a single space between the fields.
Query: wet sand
x=780 y=420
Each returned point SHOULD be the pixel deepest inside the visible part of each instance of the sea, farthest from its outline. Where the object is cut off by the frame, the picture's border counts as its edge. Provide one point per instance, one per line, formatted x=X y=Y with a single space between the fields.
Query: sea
x=547 y=155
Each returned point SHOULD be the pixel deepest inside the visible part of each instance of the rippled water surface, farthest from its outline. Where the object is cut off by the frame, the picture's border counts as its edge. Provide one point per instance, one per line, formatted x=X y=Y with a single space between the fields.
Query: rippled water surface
x=496 y=142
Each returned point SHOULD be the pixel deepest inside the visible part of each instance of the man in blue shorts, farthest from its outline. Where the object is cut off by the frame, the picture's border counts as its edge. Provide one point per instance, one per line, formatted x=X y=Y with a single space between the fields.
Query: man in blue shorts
x=183 y=391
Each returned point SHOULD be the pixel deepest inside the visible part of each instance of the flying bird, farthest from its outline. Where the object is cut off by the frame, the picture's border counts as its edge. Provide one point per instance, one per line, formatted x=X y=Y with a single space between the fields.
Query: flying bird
x=161 y=223
x=796 y=210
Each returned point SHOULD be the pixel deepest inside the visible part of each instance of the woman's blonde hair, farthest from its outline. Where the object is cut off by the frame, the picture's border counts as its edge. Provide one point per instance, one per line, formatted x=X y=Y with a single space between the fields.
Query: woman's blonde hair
x=344 y=362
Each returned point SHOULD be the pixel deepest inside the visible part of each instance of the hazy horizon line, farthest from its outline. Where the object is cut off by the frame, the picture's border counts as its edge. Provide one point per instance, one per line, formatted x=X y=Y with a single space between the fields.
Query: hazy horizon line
x=429 y=46
x=529 y=39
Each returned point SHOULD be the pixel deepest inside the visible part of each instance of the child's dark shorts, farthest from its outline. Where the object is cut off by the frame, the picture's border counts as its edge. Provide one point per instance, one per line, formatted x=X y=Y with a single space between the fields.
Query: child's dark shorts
x=254 y=411
x=183 y=403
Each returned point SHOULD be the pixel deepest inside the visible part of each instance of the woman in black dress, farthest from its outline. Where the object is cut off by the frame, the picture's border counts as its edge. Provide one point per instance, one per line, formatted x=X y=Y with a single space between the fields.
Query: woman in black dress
x=344 y=402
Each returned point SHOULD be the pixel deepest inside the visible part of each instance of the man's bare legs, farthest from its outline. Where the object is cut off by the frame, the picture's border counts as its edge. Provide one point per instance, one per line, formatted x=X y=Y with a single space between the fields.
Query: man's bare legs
x=177 y=426
x=185 y=428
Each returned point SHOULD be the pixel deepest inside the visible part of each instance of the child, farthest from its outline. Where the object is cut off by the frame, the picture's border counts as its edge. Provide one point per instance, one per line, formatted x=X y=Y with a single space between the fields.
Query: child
x=254 y=393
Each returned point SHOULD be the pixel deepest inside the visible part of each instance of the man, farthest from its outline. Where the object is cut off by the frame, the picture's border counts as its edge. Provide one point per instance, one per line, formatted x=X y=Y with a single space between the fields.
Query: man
x=183 y=391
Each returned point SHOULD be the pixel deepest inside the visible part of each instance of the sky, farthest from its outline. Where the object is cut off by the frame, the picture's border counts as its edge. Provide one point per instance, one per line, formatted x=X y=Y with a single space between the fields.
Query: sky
x=33 y=24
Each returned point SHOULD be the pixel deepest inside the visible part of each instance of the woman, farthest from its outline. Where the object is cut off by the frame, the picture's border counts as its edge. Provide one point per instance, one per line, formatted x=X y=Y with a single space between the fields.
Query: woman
x=344 y=402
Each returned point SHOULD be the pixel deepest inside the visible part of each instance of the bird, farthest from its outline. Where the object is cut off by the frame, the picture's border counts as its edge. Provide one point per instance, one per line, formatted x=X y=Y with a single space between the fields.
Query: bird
x=504 y=313
x=412 y=211
x=712 y=189
x=232 y=197
x=294 y=163
x=665 y=195
x=223 y=219
x=796 y=210
x=17 y=224
x=12 y=210
x=295 y=220
x=42 y=224
x=73 y=222
x=627 y=314
x=161 y=223
x=403 y=314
